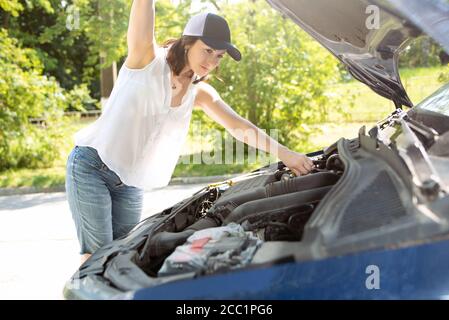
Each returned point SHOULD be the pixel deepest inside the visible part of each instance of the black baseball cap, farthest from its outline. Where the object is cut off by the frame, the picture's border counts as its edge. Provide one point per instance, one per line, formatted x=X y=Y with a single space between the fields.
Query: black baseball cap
x=214 y=31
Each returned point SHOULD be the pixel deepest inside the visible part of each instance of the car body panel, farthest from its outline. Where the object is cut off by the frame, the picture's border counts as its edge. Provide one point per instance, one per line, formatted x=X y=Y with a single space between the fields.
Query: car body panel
x=406 y=273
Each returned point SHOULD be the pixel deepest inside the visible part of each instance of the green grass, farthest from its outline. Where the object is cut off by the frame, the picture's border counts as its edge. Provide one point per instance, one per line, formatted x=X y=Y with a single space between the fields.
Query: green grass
x=328 y=133
x=40 y=178
x=366 y=109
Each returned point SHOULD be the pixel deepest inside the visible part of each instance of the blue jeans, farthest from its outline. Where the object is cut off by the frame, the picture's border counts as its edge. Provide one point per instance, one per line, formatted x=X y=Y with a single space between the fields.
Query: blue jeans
x=103 y=207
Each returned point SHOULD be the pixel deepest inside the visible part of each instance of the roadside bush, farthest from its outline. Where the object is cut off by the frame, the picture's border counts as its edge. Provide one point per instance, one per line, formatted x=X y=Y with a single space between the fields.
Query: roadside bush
x=31 y=108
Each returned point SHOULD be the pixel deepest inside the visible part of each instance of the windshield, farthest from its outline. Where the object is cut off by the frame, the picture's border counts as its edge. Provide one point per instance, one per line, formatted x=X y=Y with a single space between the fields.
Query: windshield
x=437 y=102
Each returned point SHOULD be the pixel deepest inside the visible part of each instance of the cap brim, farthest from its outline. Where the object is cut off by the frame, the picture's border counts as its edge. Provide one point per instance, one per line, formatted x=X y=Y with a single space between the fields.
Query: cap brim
x=222 y=45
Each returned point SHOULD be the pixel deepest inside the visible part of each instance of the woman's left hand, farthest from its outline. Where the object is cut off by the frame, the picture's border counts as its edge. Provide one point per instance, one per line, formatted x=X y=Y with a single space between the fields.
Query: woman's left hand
x=299 y=163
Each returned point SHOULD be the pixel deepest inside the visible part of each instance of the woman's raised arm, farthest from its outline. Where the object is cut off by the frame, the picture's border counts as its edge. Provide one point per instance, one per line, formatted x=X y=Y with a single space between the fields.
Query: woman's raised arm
x=140 y=36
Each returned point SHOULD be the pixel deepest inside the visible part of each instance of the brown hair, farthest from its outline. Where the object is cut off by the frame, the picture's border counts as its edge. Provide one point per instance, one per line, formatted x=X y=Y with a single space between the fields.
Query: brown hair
x=177 y=55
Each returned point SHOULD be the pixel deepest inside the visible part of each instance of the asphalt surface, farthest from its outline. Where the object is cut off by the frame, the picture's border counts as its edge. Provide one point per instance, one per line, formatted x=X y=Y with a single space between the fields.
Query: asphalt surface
x=39 y=250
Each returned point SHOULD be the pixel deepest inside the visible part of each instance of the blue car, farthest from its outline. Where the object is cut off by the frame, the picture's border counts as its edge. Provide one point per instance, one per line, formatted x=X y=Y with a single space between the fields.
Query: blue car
x=371 y=221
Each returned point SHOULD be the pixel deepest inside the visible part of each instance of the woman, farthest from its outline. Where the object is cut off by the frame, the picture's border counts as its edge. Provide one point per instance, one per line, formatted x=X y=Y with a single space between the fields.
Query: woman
x=136 y=142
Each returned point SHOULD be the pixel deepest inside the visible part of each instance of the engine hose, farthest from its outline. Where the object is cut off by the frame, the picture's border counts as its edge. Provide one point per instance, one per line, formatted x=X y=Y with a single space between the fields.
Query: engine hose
x=279 y=204
x=164 y=242
x=302 y=183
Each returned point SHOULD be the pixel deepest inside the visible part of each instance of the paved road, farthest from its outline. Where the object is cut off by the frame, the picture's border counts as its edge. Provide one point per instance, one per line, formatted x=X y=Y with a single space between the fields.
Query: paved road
x=38 y=245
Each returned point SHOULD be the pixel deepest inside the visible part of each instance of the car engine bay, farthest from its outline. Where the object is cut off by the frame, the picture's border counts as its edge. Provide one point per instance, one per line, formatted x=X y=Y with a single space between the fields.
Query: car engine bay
x=359 y=196
x=273 y=205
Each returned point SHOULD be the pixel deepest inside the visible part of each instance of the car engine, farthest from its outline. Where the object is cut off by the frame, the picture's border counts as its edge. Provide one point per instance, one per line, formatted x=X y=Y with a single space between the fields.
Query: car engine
x=271 y=202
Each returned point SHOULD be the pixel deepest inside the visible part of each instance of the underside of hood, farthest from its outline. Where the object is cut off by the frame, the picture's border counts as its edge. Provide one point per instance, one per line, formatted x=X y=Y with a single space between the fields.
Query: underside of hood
x=367 y=35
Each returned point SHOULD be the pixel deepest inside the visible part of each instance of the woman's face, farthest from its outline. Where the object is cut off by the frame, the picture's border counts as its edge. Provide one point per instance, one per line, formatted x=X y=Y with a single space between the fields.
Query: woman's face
x=203 y=59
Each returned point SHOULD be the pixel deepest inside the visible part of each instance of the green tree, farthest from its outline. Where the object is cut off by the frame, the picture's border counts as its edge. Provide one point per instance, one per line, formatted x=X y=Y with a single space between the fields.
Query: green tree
x=64 y=52
x=76 y=38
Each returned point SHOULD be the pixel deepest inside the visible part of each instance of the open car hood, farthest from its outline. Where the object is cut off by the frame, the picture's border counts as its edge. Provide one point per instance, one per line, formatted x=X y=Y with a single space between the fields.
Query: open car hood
x=369 y=47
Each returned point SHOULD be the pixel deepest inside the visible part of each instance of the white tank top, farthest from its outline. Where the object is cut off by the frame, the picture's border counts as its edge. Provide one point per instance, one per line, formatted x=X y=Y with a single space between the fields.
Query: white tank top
x=138 y=135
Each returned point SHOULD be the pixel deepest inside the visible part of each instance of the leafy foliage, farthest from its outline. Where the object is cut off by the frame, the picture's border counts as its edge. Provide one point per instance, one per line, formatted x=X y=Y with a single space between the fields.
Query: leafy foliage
x=26 y=94
x=12 y=7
